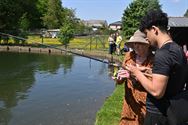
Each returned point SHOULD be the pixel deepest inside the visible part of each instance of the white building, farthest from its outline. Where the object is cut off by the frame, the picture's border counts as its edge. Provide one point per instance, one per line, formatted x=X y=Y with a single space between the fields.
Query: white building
x=95 y=24
x=52 y=33
x=115 y=26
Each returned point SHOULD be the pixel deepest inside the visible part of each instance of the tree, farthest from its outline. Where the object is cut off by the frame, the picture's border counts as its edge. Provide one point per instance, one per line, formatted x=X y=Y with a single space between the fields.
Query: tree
x=53 y=18
x=9 y=15
x=134 y=12
x=17 y=16
x=79 y=27
x=33 y=14
x=42 y=6
x=186 y=13
x=69 y=27
x=13 y=11
x=24 y=22
x=66 y=33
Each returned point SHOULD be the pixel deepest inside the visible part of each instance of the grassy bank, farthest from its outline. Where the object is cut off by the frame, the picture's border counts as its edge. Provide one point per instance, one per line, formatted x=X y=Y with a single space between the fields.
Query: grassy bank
x=110 y=112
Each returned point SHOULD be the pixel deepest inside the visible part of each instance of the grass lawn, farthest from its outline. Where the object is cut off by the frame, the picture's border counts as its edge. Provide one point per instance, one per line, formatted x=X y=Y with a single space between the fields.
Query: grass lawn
x=38 y=39
x=110 y=112
x=85 y=42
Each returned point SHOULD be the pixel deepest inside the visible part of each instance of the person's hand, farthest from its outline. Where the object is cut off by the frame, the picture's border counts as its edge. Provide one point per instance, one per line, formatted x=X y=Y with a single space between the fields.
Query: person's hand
x=143 y=68
x=122 y=74
x=133 y=69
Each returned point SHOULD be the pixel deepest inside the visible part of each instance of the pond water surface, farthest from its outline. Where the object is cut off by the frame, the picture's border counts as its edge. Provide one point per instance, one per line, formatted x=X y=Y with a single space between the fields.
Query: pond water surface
x=51 y=90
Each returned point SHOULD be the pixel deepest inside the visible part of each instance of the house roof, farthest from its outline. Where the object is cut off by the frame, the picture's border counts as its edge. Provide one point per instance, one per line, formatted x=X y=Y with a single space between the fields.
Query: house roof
x=178 y=21
x=116 y=23
x=95 y=23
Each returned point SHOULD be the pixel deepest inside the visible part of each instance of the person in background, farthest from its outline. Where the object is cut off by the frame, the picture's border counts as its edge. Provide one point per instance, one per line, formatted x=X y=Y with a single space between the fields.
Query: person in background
x=118 y=43
x=125 y=48
x=167 y=73
x=135 y=96
x=111 y=43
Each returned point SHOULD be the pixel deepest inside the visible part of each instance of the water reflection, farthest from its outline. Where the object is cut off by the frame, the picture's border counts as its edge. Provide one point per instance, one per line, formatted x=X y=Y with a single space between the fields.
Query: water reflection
x=16 y=76
x=51 y=90
x=17 y=73
x=53 y=63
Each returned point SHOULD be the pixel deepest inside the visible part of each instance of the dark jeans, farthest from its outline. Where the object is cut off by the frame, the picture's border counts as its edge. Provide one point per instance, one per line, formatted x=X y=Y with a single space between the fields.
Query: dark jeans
x=111 y=48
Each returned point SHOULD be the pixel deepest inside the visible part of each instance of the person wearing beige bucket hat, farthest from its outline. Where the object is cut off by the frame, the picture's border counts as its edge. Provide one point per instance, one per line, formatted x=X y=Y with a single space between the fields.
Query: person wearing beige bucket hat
x=134 y=109
x=137 y=38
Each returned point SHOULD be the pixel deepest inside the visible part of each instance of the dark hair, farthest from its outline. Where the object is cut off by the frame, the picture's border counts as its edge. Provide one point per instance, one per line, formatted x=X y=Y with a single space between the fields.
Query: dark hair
x=154 y=18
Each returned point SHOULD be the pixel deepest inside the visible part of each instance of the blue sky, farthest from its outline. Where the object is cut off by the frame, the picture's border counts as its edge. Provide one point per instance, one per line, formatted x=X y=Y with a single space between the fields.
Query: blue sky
x=112 y=10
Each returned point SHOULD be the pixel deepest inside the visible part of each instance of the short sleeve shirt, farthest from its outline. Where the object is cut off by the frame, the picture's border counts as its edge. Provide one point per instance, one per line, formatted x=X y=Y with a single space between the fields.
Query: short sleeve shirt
x=169 y=60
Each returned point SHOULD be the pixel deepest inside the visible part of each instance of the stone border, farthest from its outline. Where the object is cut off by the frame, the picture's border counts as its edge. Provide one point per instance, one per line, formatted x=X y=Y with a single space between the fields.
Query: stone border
x=106 y=58
x=29 y=49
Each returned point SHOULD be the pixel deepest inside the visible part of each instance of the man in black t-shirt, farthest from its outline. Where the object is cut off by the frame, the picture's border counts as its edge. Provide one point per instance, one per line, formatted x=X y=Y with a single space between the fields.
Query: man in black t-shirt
x=167 y=74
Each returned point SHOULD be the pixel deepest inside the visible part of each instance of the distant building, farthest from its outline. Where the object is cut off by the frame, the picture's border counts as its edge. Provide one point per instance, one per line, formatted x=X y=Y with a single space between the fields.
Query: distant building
x=115 y=26
x=95 y=24
x=178 y=21
x=179 y=30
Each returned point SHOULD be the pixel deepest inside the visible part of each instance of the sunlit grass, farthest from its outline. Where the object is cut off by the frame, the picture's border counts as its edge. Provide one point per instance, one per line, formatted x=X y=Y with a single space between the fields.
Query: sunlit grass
x=89 y=42
x=75 y=43
x=38 y=39
x=110 y=112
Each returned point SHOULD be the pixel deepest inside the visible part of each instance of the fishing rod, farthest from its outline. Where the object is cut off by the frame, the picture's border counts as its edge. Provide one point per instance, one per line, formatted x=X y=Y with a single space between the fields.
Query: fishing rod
x=17 y=37
x=65 y=50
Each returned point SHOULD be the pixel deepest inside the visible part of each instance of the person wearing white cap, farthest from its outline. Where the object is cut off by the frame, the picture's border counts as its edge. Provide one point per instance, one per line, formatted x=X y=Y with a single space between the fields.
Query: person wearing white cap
x=135 y=96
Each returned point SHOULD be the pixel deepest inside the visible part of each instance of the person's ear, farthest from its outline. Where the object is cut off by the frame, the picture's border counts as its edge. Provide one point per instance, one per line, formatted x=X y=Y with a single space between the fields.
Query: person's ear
x=155 y=29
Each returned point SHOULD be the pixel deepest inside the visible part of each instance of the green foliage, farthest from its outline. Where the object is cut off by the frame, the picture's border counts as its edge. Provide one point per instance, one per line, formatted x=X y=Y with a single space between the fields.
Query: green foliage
x=70 y=18
x=42 y=6
x=9 y=14
x=134 y=12
x=80 y=28
x=66 y=33
x=70 y=26
x=24 y=22
x=25 y=15
x=102 y=31
x=53 y=18
x=13 y=11
x=33 y=15
x=186 y=13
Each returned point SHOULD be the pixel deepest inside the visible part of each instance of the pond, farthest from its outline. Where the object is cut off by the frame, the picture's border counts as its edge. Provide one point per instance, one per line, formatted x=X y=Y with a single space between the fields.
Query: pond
x=39 y=89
